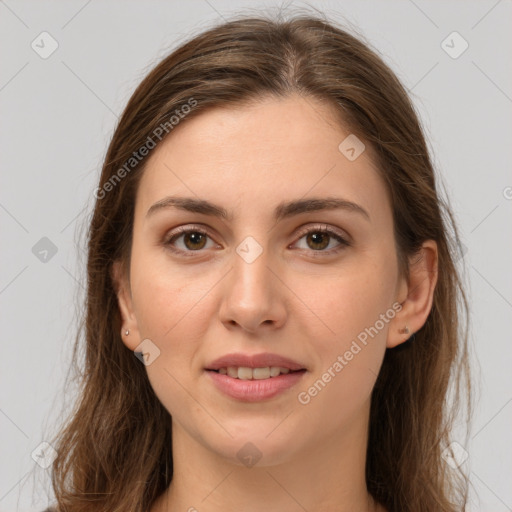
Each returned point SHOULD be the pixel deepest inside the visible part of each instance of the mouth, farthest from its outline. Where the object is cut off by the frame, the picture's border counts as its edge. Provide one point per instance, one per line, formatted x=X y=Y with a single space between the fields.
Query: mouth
x=254 y=377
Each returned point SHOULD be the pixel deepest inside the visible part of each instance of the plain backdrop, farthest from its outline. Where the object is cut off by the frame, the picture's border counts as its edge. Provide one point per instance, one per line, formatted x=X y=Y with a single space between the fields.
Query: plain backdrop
x=60 y=96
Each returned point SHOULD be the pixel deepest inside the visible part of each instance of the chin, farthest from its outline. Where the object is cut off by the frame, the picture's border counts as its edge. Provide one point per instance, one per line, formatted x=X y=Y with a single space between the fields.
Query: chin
x=259 y=445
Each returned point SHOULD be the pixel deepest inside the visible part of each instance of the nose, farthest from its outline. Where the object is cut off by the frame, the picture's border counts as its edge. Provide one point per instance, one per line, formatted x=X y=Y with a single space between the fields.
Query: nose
x=253 y=297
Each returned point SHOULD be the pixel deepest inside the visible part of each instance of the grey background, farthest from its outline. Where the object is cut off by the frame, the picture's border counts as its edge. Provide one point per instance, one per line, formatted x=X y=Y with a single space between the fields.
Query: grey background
x=57 y=117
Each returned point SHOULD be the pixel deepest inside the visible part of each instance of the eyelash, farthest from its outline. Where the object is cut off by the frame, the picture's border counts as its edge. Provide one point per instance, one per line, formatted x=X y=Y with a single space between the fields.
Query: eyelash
x=197 y=229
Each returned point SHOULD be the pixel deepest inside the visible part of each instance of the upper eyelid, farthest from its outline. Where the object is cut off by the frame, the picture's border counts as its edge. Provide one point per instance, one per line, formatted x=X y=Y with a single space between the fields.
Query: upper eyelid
x=323 y=227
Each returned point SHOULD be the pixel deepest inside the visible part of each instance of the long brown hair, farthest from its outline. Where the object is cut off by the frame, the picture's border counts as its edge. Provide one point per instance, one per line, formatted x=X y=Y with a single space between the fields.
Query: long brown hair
x=114 y=452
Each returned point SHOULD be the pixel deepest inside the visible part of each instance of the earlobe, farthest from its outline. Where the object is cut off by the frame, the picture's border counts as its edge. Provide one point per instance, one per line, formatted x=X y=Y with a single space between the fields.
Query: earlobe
x=419 y=295
x=129 y=329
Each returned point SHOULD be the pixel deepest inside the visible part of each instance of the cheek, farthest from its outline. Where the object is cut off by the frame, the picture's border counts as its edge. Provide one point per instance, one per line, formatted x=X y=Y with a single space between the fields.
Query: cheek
x=355 y=314
x=173 y=306
x=348 y=305
x=168 y=298
x=348 y=363
x=170 y=308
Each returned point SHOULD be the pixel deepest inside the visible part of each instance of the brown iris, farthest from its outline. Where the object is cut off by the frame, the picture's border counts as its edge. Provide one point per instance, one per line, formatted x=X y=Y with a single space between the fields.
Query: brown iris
x=319 y=239
x=197 y=240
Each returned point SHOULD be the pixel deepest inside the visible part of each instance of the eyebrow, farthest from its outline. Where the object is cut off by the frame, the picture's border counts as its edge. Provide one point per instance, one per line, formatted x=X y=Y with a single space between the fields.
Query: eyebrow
x=282 y=211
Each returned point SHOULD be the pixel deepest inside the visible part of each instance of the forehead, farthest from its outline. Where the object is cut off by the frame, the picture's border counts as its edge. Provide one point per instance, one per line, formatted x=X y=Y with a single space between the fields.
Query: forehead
x=259 y=154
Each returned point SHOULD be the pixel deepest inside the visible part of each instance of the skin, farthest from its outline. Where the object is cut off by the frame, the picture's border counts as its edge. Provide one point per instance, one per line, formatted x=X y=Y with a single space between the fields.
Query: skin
x=194 y=309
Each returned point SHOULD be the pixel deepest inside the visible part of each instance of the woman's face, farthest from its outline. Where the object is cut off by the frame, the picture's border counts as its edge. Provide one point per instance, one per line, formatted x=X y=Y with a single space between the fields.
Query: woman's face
x=264 y=278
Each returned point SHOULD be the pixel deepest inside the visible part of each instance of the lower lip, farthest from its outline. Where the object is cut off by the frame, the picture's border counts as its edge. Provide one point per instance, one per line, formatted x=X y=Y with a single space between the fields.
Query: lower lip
x=255 y=390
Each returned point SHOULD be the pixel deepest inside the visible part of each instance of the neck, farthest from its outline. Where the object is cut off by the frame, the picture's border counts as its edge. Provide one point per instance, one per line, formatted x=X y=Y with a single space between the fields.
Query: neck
x=326 y=476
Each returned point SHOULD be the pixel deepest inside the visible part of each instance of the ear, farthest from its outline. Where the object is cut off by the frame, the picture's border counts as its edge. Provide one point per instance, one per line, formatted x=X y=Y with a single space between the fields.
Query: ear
x=121 y=283
x=415 y=295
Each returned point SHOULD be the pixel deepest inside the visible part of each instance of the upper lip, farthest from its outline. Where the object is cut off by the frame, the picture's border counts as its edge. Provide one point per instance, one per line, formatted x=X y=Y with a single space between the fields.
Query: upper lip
x=254 y=361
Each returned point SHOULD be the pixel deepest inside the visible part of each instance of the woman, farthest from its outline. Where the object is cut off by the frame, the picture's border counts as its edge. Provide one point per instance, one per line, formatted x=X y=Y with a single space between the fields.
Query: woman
x=272 y=314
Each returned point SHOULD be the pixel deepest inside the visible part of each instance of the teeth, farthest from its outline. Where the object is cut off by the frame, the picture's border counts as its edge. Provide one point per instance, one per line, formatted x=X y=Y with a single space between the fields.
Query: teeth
x=245 y=373
x=275 y=371
x=259 y=373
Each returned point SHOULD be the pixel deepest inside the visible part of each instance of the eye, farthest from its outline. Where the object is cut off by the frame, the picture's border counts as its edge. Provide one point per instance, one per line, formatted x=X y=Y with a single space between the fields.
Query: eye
x=319 y=238
x=193 y=239
x=187 y=240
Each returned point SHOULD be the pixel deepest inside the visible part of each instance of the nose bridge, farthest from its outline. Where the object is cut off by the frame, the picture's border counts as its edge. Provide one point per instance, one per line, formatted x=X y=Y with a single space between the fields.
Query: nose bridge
x=251 y=295
x=251 y=276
